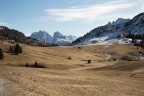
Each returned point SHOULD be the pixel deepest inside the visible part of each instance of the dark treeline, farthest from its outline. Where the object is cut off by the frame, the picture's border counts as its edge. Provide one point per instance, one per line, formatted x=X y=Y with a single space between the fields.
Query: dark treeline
x=16 y=49
x=137 y=39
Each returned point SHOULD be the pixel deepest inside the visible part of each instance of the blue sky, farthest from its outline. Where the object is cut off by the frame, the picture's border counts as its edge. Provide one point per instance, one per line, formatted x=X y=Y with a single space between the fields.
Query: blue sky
x=75 y=17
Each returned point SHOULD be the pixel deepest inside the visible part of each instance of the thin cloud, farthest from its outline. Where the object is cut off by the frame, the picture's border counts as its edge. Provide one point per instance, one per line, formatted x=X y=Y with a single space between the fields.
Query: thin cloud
x=87 y=13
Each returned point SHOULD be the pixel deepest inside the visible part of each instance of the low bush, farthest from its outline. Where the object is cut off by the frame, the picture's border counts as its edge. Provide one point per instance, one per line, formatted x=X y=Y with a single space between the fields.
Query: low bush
x=88 y=61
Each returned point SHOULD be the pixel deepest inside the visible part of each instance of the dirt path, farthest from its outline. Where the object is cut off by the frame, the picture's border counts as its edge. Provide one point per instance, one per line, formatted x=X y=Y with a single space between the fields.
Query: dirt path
x=108 y=56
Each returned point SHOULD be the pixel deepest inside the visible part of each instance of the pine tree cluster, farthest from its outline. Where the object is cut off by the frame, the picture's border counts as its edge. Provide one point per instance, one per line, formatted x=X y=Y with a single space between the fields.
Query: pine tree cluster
x=135 y=38
x=16 y=49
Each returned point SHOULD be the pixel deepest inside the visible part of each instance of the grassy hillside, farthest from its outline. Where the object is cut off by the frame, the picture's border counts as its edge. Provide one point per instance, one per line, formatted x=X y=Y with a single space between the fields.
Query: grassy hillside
x=116 y=70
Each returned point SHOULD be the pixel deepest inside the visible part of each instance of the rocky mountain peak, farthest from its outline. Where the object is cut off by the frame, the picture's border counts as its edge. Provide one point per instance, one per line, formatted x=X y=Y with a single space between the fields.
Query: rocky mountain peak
x=118 y=28
x=41 y=36
x=58 y=35
x=57 y=38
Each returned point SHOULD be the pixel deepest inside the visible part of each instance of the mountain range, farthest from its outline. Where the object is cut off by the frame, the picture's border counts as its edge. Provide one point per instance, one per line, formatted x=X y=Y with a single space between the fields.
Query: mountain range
x=113 y=31
x=15 y=36
x=57 y=38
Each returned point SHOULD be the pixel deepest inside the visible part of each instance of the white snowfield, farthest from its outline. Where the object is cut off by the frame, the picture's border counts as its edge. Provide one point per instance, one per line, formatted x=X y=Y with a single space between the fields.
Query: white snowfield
x=113 y=42
x=107 y=39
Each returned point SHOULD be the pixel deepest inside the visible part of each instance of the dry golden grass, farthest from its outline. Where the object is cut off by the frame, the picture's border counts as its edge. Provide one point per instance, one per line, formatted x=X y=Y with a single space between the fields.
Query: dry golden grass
x=64 y=77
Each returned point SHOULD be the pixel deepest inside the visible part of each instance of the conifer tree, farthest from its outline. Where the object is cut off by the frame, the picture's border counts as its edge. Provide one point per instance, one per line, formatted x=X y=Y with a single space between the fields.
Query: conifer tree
x=18 y=49
x=10 y=48
x=1 y=54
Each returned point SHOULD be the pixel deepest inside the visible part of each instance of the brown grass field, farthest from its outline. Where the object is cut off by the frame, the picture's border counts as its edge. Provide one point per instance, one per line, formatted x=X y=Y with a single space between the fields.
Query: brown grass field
x=122 y=74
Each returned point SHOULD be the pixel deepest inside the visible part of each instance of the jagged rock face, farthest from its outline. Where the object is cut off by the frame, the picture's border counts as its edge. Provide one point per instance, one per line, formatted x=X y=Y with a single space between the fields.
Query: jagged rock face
x=113 y=30
x=120 y=21
x=41 y=36
x=136 y=25
x=57 y=35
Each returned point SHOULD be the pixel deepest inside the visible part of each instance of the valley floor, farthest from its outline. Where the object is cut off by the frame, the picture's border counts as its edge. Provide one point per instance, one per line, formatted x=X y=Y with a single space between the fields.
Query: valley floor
x=116 y=70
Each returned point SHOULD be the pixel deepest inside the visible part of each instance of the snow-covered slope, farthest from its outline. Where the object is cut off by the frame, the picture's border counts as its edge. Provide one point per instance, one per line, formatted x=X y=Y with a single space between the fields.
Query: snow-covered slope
x=57 y=38
x=112 y=31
